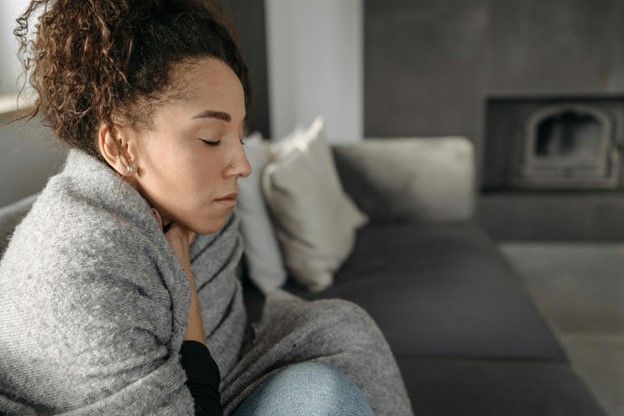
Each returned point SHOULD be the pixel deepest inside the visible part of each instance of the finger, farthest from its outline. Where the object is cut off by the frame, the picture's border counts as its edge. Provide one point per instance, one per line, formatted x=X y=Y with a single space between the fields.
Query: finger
x=185 y=233
x=158 y=217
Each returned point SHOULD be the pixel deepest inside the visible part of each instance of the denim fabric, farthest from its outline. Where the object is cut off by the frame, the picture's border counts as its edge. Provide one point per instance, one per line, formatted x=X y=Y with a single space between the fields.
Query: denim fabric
x=303 y=389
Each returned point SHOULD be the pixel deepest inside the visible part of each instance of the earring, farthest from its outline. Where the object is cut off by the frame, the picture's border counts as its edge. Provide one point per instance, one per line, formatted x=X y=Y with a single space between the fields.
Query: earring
x=130 y=169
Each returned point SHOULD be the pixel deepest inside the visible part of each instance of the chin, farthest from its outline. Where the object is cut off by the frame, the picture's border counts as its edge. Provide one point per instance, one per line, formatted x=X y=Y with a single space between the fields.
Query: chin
x=210 y=228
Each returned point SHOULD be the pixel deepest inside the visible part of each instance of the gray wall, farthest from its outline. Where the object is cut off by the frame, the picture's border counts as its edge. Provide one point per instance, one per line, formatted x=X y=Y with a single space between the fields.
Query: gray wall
x=248 y=18
x=429 y=64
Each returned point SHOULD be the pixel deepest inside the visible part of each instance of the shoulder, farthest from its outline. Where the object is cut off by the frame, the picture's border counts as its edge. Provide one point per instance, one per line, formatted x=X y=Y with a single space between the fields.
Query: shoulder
x=68 y=238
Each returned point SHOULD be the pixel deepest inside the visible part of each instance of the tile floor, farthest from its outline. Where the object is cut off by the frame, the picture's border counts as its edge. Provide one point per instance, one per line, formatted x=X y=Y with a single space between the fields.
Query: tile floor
x=579 y=288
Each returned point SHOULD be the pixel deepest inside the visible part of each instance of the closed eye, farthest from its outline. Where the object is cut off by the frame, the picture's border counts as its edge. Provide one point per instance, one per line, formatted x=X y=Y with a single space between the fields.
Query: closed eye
x=211 y=143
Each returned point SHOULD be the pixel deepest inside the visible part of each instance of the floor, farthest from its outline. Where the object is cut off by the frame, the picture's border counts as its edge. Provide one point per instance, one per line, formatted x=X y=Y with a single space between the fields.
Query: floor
x=579 y=288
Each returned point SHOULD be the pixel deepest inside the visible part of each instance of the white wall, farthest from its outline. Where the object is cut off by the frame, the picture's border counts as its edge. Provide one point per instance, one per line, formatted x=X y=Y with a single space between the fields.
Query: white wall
x=9 y=64
x=315 y=63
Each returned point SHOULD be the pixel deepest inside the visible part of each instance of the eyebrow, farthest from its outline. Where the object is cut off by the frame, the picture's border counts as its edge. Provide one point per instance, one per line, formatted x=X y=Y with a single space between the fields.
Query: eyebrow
x=214 y=114
x=220 y=115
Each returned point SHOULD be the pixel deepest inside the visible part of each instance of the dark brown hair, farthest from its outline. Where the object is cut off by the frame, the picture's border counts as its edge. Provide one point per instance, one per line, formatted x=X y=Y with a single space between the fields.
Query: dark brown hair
x=101 y=61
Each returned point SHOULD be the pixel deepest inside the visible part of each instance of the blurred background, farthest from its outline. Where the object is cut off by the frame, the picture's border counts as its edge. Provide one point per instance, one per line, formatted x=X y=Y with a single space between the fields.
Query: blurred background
x=536 y=85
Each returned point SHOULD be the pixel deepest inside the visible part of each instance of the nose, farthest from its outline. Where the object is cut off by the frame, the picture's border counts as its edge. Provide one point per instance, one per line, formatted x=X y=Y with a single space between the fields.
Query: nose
x=240 y=166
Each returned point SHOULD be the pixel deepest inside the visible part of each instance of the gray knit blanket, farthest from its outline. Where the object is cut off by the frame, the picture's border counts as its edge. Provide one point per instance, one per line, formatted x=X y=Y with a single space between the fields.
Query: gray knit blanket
x=94 y=307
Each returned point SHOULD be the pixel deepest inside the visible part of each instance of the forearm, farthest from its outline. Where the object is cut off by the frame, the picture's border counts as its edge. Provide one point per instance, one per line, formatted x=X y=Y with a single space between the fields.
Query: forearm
x=195 y=326
x=201 y=369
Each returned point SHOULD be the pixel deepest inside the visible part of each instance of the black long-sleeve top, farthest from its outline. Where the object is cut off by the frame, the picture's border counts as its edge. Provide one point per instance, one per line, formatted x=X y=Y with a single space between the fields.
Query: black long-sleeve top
x=202 y=378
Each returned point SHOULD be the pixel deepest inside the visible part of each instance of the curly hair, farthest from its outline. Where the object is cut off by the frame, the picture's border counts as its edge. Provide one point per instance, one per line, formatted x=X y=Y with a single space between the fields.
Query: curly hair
x=102 y=61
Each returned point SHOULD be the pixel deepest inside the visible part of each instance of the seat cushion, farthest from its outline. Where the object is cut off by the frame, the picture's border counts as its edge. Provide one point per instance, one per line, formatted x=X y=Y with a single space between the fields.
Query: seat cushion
x=442 y=290
x=443 y=387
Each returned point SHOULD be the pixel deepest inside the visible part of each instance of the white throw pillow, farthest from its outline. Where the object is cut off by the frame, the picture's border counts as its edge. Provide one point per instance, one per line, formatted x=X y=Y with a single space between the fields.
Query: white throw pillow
x=315 y=221
x=262 y=252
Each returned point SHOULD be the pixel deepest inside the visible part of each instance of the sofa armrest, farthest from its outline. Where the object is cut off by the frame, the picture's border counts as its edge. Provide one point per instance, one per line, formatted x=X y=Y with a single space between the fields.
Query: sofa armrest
x=409 y=179
x=11 y=215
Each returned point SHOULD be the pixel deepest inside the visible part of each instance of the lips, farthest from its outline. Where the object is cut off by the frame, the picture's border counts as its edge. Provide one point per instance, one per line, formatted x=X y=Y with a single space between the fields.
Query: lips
x=228 y=201
x=229 y=197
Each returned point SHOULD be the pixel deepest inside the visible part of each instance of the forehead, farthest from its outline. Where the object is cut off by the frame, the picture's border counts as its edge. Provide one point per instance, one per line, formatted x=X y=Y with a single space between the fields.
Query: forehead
x=209 y=83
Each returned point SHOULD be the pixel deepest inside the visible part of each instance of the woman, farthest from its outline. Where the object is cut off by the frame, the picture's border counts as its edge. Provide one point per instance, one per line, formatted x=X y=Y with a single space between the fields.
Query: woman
x=118 y=289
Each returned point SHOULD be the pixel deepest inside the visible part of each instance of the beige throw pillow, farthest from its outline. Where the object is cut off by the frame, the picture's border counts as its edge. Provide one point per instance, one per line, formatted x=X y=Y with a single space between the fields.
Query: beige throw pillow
x=315 y=221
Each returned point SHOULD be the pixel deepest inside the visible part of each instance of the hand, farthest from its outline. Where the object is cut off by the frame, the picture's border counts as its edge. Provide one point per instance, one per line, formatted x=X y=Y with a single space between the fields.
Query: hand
x=181 y=239
x=178 y=237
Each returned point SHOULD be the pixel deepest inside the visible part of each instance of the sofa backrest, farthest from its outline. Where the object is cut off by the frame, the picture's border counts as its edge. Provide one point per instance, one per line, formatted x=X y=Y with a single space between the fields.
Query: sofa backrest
x=29 y=155
x=391 y=179
x=410 y=179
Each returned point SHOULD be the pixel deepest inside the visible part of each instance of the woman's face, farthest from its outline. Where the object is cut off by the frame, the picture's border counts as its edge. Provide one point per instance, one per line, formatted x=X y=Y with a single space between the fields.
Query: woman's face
x=178 y=172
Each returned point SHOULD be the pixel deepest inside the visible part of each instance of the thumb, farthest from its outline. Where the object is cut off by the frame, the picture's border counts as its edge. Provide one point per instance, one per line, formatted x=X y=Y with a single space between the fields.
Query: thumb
x=158 y=217
x=192 y=236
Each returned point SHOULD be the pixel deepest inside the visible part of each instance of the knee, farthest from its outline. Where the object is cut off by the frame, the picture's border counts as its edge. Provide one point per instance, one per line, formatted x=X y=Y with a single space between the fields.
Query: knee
x=313 y=374
x=312 y=388
x=324 y=390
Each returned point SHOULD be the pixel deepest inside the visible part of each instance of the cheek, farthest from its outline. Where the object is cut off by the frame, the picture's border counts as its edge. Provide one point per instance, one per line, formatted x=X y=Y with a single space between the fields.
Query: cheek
x=185 y=174
x=202 y=180
x=170 y=173
x=161 y=158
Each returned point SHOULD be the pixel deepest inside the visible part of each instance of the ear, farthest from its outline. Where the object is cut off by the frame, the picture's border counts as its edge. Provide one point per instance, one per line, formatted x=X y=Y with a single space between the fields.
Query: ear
x=115 y=147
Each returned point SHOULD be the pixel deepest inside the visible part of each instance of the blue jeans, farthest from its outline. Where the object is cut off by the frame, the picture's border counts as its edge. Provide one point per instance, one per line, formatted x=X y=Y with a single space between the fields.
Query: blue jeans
x=307 y=388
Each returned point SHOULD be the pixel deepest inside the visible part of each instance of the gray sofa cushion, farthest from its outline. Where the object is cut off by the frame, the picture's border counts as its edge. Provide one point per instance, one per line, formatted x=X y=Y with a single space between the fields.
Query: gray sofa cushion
x=414 y=179
x=443 y=290
x=444 y=387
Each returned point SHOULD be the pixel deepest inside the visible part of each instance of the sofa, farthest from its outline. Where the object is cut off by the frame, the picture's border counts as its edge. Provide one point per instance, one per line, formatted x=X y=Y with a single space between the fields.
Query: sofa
x=466 y=335
x=465 y=332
